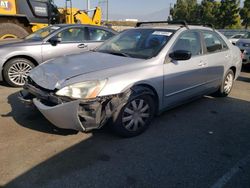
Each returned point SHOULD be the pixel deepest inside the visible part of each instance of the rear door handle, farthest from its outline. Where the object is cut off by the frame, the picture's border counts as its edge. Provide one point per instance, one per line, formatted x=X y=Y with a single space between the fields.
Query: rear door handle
x=82 y=46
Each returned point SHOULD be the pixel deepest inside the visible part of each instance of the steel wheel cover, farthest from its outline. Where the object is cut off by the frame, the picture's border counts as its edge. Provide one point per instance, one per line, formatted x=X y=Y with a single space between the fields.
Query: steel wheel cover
x=136 y=114
x=228 y=83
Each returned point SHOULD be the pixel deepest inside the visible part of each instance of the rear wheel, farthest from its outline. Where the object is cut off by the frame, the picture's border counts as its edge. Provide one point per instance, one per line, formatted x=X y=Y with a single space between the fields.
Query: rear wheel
x=135 y=116
x=227 y=84
x=16 y=70
x=12 y=30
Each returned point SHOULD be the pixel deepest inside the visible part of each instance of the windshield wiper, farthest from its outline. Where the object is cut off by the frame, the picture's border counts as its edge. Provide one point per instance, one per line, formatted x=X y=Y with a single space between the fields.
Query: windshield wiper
x=117 y=53
x=121 y=54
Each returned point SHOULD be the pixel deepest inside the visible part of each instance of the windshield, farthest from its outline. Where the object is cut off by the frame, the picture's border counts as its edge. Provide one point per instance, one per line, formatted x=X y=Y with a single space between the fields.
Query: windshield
x=42 y=33
x=246 y=36
x=137 y=43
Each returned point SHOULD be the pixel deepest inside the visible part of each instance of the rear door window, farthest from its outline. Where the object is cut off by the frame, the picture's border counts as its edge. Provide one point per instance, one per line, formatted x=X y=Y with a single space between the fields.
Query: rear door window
x=96 y=34
x=213 y=42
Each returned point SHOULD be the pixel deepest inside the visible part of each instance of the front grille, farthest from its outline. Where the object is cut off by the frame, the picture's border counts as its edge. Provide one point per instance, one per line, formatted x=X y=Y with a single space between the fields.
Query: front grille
x=46 y=96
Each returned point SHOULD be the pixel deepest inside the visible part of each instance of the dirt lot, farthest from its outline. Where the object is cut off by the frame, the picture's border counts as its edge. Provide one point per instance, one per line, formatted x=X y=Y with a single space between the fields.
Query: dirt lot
x=202 y=144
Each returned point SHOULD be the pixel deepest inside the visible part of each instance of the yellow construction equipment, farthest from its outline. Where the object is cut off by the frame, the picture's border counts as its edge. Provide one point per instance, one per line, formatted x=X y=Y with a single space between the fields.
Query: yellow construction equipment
x=18 y=18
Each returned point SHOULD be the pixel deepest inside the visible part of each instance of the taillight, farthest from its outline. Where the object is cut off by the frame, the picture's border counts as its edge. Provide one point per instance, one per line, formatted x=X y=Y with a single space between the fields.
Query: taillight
x=242 y=54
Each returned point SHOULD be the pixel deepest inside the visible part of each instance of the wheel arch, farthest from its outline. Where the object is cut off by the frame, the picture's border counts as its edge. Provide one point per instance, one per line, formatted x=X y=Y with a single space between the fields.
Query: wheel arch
x=143 y=86
x=233 y=68
x=33 y=60
x=19 y=56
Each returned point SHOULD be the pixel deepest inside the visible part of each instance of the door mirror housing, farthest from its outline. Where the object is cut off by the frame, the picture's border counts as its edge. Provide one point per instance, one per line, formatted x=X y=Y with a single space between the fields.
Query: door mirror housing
x=180 y=55
x=55 y=40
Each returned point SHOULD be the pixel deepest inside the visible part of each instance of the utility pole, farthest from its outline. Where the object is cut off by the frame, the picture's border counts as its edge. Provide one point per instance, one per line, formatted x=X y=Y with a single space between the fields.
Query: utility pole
x=88 y=5
x=170 y=16
x=107 y=8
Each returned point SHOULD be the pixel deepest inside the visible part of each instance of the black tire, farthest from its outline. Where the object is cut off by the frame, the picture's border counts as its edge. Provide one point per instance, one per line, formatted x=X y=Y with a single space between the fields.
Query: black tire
x=223 y=91
x=25 y=67
x=119 y=125
x=13 y=30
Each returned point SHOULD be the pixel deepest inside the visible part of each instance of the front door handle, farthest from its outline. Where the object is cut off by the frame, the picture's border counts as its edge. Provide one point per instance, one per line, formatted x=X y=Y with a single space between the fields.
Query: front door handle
x=82 y=46
x=202 y=64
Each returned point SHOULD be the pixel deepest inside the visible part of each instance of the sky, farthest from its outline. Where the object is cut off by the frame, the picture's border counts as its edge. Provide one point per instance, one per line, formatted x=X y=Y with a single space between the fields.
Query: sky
x=144 y=10
x=133 y=9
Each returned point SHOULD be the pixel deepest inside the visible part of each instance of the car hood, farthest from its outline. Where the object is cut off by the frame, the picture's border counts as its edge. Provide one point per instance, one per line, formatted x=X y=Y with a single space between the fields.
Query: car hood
x=17 y=42
x=52 y=73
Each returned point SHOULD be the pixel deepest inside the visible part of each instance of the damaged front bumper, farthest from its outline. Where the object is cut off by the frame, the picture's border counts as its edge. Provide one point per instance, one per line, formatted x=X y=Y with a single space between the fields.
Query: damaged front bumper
x=62 y=115
x=80 y=115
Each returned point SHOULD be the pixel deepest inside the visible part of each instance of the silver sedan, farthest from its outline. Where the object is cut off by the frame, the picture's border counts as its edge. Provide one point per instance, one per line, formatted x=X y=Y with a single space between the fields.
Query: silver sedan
x=135 y=75
x=19 y=56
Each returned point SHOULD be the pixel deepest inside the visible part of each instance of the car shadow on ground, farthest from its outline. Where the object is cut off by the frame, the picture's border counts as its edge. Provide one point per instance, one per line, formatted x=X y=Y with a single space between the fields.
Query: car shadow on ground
x=243 y=79
x=30 y=117
x=245 y=68
x=2 y=83
x=190 y=146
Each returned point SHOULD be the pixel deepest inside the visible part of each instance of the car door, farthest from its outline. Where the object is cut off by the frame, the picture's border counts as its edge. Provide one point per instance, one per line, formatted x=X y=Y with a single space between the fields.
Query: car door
x=184 y=79
x=97 y=36
x=217 y=56
x=71 y=41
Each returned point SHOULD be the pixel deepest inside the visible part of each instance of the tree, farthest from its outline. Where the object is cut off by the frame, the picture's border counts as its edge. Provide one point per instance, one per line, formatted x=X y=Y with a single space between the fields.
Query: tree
x=228 y=15
x=185 y=10
x=245 y=14
x=208 y=11
x=224 y=14
x=179 y=12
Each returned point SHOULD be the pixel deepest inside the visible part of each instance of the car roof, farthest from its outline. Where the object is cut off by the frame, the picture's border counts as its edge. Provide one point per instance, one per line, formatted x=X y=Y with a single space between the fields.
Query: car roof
x=174 y=27
x=71 y=25
x=84 y=25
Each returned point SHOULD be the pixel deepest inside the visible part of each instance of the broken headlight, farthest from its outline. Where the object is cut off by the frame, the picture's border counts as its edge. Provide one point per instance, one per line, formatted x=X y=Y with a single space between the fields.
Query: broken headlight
x=82 y=90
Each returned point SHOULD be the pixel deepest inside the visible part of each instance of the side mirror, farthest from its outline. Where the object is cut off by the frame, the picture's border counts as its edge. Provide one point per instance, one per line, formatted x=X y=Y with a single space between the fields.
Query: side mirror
x=55 y=40
x=180 y=55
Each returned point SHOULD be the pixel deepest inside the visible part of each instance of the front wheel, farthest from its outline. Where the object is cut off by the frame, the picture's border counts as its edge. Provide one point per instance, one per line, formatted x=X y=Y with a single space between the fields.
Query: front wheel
x=227 y=84
x=16 y=70
x=135 y=117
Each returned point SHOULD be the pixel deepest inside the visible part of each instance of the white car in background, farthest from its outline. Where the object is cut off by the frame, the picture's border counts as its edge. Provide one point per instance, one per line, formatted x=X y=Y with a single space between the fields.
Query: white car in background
x=244 y=44
x=233 y=39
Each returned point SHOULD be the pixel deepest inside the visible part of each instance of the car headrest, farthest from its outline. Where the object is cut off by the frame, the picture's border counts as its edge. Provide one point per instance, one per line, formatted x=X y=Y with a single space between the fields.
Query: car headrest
x=183 y=44
x=154 y=42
